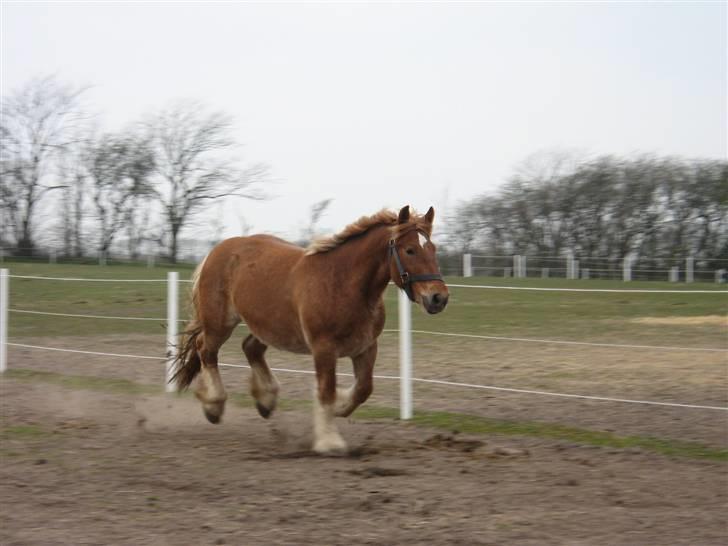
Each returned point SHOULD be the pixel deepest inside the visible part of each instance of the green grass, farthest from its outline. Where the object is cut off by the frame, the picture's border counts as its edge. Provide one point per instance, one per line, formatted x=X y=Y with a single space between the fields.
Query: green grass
x=22 y=432
x=449 y=421
x=116 y=386
x=582 y=316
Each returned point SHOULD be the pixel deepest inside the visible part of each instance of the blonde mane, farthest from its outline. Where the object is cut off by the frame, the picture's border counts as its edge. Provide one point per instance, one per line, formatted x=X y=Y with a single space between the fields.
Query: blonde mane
x=365 y=223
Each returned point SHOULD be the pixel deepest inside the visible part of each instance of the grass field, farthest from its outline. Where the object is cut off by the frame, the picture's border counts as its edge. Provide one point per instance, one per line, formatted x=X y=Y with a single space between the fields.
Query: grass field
x=655 y=319
x=578 y=316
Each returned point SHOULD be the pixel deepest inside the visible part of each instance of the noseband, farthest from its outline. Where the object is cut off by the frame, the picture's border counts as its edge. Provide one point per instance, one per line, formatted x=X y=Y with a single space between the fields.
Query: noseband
x=407 y=279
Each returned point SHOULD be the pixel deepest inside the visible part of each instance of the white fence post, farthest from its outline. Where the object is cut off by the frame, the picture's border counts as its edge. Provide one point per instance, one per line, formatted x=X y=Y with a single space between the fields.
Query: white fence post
x=516 y=266
x=150 y=261
x=674 y=274
x=172 y=293
x=689 y=269
x=570 y=266
x=467 y=265
x=544 y=272
x=524 y=271
x=3 y=320
x=405 y=356
x=576 y=269
x=627 y=269
x=719 y=275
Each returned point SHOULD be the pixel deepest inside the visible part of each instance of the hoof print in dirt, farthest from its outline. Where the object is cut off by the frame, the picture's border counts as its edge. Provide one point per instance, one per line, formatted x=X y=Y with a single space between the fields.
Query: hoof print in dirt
x=447 y=441
x=377 y=472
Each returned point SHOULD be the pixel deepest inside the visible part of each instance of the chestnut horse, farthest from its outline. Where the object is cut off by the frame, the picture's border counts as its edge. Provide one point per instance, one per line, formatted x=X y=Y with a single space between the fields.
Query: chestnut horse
x=325 y=301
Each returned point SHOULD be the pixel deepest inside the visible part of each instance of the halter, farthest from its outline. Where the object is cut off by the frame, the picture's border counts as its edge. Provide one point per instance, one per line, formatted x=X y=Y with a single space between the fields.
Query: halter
x=407 y=279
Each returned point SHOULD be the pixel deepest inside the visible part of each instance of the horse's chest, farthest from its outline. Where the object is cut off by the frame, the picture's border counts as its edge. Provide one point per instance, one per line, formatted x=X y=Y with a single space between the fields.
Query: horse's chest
x=358 y=333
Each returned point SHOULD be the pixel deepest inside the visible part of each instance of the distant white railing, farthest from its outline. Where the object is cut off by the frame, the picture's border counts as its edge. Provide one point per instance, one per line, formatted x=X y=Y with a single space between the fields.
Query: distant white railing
x=573 y=268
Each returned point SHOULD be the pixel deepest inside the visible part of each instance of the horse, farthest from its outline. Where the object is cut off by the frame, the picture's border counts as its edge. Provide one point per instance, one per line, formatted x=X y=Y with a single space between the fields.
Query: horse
x=325 y=300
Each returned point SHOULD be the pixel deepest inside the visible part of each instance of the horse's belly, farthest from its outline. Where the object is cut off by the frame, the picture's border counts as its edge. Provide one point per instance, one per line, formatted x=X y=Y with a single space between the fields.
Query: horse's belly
x=285 y=339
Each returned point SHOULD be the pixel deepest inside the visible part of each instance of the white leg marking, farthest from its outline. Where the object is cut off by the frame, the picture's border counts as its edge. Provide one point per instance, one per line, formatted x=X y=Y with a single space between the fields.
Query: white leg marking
x=264 y=390
x=209 y=387
x=343 y=399
x=326 y=436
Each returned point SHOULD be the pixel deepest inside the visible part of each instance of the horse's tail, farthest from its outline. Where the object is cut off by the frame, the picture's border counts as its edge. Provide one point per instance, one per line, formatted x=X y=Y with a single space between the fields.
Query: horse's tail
x=187 y=363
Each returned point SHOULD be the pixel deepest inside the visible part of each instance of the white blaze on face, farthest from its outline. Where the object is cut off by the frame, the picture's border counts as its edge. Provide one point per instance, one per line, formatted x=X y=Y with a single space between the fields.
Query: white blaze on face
x=422 y=238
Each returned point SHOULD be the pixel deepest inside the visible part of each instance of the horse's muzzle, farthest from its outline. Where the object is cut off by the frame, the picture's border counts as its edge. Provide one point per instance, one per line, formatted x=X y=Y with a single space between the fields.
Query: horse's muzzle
x=435 y=302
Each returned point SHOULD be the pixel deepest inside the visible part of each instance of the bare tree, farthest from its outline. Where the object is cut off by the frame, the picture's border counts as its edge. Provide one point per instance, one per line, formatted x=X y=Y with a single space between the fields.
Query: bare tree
x=317 y=211
x=34 y=128
x=607 y=207
x=194 y=165
x=118 y=168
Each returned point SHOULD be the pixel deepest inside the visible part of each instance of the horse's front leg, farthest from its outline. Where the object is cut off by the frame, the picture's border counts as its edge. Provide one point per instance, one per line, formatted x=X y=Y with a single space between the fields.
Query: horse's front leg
x=326 y=436
x=347 y=400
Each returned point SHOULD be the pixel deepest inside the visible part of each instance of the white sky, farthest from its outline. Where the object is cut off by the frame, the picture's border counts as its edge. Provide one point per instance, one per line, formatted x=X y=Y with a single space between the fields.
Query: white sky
x=391 y=104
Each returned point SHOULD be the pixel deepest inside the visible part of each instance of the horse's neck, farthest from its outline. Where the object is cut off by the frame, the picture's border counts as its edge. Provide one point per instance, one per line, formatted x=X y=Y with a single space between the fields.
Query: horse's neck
x=366 y=261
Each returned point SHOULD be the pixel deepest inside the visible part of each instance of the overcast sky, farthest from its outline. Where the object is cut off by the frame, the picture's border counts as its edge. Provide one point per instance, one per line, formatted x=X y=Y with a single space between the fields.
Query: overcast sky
x=390 y=104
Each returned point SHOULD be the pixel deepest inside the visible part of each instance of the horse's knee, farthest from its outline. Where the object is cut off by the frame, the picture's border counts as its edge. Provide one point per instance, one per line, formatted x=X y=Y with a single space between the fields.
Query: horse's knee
x=253 y=349
x=364 y=392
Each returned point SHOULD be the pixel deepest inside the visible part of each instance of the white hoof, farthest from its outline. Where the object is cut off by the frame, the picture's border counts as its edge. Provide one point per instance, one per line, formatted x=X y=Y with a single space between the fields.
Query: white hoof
x=332 y=444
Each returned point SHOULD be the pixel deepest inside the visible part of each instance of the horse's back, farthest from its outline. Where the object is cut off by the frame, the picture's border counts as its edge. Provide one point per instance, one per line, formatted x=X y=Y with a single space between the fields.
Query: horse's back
x=255 y=274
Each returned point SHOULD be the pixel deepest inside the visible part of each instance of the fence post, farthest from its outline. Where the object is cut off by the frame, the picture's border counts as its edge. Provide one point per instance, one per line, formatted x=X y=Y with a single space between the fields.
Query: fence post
x=172 y=278
x=689 y=269
x=544 y=272
x=150 y=261
x=467 y=265
x=524 y=268
x=569 y=266
x=674 y=274
x=405 y=357
x=627 y=269
x=517 y=266
x=3 y=320
x=719 y=276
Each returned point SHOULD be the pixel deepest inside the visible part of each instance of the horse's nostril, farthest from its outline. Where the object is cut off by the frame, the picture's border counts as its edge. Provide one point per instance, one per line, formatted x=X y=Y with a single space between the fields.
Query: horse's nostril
x=436 y=299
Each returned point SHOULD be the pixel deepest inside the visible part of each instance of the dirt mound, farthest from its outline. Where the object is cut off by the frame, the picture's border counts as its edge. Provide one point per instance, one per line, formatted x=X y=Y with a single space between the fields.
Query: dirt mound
x=706 y=320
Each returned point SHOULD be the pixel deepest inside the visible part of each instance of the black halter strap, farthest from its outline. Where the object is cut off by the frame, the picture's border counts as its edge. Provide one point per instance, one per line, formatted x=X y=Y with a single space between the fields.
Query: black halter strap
x=407 y=279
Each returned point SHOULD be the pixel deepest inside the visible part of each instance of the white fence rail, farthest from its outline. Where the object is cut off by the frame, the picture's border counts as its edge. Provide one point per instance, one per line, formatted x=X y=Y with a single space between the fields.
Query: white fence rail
x=405 y=332
x=572 y=267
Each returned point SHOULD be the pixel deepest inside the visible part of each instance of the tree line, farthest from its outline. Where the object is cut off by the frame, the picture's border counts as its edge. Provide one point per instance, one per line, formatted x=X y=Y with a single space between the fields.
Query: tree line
x=144 y=183
x=665 y=208
x=148 y=182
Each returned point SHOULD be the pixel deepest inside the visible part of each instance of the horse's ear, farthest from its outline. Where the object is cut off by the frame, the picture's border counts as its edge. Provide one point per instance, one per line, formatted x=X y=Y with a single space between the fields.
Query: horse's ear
x=404 y=215
x=430 y=216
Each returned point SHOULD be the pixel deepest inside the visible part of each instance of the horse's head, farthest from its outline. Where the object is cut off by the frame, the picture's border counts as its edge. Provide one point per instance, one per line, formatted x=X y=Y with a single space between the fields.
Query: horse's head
x=413 y=264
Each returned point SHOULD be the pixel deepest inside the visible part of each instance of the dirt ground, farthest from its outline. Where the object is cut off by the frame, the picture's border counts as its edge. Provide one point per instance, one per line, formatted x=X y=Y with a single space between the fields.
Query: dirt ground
x=83 y=466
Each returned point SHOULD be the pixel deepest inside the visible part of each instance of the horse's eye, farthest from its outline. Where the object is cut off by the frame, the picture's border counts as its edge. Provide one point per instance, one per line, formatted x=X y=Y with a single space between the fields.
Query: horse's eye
x=410 y=251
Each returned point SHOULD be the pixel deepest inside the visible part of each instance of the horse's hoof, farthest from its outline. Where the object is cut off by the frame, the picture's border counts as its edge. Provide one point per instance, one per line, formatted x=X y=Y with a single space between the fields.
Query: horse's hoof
x=213 y=412
x=264 y=412
x=331 y=447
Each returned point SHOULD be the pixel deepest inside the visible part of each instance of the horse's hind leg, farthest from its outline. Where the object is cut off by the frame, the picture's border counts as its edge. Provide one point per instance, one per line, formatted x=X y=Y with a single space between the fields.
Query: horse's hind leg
x=210 y=390
x=263 y=384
